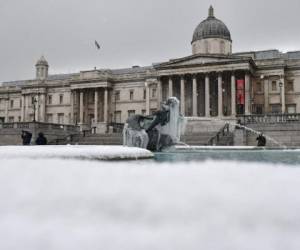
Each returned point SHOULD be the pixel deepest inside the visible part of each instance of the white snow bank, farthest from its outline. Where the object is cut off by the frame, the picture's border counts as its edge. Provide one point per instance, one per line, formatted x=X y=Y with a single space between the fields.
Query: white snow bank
x=59 y=205
x=74 y=152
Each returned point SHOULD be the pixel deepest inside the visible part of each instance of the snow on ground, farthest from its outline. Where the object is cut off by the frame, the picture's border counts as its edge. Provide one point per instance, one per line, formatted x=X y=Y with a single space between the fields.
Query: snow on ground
x=71 y=204
x=75 y=152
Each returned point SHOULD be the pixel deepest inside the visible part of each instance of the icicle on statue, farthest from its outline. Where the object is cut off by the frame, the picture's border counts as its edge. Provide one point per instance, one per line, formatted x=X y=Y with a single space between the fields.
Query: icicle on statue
x=155 y=132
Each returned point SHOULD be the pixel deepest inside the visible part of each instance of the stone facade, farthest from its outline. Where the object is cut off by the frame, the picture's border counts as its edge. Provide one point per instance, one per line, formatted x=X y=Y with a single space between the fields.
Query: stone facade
x=209 y=83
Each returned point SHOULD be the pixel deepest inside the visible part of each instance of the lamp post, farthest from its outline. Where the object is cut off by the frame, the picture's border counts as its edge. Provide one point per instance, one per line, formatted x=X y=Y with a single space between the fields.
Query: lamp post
x=280 y=86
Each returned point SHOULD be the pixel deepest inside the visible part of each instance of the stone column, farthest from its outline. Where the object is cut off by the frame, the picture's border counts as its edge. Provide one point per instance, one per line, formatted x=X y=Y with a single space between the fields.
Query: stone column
x=43 y=107
x=159 y=93
x=282 y=90
x=6 y=109
x=81 y=107
x=247 y=93
x=147 y=98
x=96 y=106
x=233 y=95
x=170 y=86
x=182 y=95
x=105 y=105
x=23 y=109
x=266 y=95
x=28 y=111
x=86 y=106
x=195 y=96
x=72 y=97
x=220 y=95
x=37 y=108
x=207 y=101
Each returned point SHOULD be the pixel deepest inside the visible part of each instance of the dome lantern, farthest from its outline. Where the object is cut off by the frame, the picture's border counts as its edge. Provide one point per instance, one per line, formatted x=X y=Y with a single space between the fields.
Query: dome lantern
x=211 y=12
x=42 y=68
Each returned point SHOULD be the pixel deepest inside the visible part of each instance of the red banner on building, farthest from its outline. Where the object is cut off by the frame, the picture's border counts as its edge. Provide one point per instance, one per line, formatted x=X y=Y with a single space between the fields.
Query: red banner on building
x=240 y=91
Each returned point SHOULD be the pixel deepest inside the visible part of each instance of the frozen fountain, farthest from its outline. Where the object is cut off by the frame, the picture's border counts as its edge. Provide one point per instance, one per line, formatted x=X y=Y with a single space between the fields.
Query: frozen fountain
x=157 y=131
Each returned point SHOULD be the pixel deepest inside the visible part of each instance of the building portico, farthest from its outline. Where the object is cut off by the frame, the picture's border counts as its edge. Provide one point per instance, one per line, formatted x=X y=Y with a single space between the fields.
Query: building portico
x=208 y=91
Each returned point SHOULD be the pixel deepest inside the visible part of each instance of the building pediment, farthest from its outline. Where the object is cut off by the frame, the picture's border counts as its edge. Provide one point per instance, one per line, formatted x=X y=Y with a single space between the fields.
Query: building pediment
x=199 y=60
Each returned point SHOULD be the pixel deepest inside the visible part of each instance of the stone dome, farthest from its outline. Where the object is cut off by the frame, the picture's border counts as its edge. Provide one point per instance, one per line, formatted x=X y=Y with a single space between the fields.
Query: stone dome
x=42 y=62
x=211 y=28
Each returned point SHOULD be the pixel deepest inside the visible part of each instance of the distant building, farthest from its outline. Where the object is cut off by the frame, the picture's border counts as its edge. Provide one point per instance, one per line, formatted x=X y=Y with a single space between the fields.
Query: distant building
x=212 y=82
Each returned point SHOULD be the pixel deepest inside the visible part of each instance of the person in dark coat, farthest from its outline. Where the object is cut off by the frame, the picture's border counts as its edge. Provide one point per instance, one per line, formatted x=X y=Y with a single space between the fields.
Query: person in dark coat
x=26 y=137
x=41 y=140
x=261 y=140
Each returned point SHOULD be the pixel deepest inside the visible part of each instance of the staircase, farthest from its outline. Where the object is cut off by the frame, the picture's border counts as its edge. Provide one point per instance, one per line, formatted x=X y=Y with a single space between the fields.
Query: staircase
x=201 y=132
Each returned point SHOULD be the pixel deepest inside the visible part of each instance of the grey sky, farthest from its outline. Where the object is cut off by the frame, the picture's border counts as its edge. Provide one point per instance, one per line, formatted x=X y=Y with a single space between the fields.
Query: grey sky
x=132 y=32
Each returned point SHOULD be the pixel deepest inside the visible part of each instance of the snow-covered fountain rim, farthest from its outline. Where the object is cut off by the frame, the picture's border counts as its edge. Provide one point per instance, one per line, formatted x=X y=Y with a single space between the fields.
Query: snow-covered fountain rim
x=84 y=152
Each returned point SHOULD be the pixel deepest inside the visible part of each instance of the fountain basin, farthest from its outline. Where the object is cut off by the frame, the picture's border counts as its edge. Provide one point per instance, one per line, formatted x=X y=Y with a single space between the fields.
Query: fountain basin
x=75 y=152
x=290 y=156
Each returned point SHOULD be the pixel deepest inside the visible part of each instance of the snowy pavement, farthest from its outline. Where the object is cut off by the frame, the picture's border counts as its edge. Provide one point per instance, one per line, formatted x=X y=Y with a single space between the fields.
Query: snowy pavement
x=74 y=152
x=213 y=205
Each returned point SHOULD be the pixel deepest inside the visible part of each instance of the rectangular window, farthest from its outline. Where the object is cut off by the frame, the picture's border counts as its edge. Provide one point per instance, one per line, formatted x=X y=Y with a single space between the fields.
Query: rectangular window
x=258 y=87
x=31 y=117
x=144 y=94
x=2 y=119
x=117 y=96
x=19 y=118
x=290 y=86
x=131 y=113
x=11 y=119
x=291 y=108
x=131 y=95
x=49 y=118
x=60 y=118
x=32 y=100
x=50 y=99
x=61 y=99
x=153 y=92
x=275 y=108
x=274 y=86
x=118 y=115
x=11 y=104
x=20 y=103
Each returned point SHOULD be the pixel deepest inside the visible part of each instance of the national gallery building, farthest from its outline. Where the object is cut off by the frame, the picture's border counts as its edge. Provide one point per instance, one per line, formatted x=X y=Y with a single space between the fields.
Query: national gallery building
x=211 y=82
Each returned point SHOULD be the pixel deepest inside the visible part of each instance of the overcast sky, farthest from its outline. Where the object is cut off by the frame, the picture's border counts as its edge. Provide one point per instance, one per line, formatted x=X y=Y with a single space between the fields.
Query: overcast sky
x=131 y=32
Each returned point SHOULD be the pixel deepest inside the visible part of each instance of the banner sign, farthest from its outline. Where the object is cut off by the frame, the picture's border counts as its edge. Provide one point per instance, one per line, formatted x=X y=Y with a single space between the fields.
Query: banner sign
x=240 y=91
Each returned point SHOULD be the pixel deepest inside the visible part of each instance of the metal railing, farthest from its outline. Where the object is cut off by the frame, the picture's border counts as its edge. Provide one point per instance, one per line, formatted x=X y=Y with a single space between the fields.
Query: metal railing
x=268 y=118
x=217 y=137
x=39 y=125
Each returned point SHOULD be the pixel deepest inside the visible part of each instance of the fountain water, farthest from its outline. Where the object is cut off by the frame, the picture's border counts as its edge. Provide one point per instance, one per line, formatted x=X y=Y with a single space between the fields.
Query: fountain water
x=253 y=131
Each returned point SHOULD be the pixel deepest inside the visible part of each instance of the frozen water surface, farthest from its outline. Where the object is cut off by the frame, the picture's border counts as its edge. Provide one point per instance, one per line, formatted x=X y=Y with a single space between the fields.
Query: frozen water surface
x=74 y=204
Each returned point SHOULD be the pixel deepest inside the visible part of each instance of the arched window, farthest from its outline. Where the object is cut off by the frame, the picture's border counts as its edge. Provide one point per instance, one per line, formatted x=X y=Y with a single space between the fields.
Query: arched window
x=222 y=47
